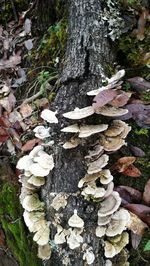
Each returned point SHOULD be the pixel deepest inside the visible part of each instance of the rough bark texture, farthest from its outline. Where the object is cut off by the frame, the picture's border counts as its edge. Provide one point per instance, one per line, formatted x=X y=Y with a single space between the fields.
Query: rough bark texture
x=87 y=54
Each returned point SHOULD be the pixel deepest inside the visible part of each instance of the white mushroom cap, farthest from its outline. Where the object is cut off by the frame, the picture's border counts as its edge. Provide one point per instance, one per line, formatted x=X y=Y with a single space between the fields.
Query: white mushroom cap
x=110 y=204
x=37 y=170
x=88 y=130
x=42 y=236
x=104 y=220
x=49 y=116
x=32 y=203
x=41 y=132
x=118 y=128
x=96 y=151
x=79 y=113
x=60 y=236
x=24 y=192
x=31 y=218
x=108 y=263
x=111 y=111
x=72 y=143
x=24 y=163
x=100 y=231
x=105 y=176
x=120 y=74
x=37 y=226
x=35 y=151
x=88 y=178
x=89 y=256
x=45 y=160
x=94 y=191
x=97 y=165
x=44 y=252
x=118 y=223
x=75 y=221
x=24 y=180
x=36 y=180
x=74 y=240
x=71 y=129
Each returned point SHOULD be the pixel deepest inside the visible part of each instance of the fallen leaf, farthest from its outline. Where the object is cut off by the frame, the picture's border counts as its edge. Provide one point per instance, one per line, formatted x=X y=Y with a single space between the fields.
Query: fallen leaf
x=123 y=163
x=139 y=84
x=137 y=151
x=129 y=194
x=12 y=62
x=4 y=122
x=142 y=211
x=103 y=98
x=141 y=24
x=26 y=110
x=132 y=171
x=146 y=194
x=30 y=144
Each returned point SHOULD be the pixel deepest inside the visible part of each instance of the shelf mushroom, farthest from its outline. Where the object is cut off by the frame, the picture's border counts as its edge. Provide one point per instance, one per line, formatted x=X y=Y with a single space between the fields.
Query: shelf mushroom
x=49 y=116
x=110 y=204
x=41 y=132
x=76 y=221
x=32 y=203
x=88 y=130
x=78 y=113
x=114 y=245
x=97 y=165
x=41 y=237
x=44 y=252
x=111 y=111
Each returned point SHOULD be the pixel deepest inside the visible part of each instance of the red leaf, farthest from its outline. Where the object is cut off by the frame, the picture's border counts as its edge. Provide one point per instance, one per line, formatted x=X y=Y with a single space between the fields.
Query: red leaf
x=132 y=171
x=139 y=84
x=123 y=163
x=129 y=194
x=146 y=194
x=103 y=98
x=120 y=100
x=142 y=211
x=30 y=144
x=4 y=122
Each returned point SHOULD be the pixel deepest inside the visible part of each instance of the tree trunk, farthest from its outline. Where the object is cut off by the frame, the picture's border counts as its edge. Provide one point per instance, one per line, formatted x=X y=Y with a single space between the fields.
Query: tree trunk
x=87 y=55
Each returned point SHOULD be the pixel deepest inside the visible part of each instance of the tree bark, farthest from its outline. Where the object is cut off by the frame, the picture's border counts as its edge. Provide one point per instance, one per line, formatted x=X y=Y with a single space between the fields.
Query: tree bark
x=87 y=55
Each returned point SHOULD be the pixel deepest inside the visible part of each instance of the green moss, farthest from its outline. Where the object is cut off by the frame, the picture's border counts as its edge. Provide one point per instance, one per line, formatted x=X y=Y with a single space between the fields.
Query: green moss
x=11 y=219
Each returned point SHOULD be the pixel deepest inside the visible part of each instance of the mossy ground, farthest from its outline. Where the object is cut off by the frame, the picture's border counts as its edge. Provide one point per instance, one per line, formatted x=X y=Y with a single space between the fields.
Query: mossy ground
x=19 y=242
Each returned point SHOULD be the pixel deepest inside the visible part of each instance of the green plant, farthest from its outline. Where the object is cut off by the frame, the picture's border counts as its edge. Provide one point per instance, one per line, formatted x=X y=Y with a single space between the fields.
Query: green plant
x=147 y=246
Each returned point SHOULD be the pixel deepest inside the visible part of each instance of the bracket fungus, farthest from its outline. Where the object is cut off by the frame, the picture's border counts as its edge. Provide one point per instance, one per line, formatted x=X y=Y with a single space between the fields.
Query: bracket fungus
x=111 y=111
x=89 y=256
x=93 y=191
x=97 y=165
x=41 y=237
x=74 y=239
x=49 y=116
x=78 y=113
x=111 y=144
x=71 y=129
x=72 y=143
x=32 y=203
x=37 y=181
x=41 y=132
x=44 y=252
x=114 y=245
x=60 y=201
x=109 y=205
x=88 y=130
x=60 y=236
x=30 y=218
x=75 y=221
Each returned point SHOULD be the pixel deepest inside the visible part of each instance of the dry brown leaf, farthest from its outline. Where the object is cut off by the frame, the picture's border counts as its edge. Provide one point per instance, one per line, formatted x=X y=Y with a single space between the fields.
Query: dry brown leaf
x=132 y=171
x=26 y=110
x=146 y=194
x=136 y=225
x=30 y=144
x=123 y=163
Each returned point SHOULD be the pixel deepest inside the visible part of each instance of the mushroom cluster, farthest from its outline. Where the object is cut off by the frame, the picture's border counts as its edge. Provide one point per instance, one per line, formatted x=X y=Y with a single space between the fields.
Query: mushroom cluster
x=35 y=167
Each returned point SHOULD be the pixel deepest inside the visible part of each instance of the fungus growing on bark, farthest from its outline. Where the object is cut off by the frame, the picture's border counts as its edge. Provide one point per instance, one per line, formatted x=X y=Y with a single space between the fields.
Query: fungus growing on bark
x=41 y=237
x=72 y=143
x=44 y=252
x=89 y=256
x=60 y=201
x=60 y=236
x=37 y=181
x=41 y=132
x=105 y=176
x=111 y=144
x=79 y=113
x=88 y=178
x=49 y=116
x=24 y=192
x=37 y=170
x=74 y=239
x=116 y=128
x=24 y=180
x=95 y=153
x=88 y=130
x=71 y=129
x=114 y=245
x=31 y=218
x=97 y=165
x=32 y=203
x=109 y=205
x=100 y=231
x=76 y=221
x=104 y=220
x=93 y=191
